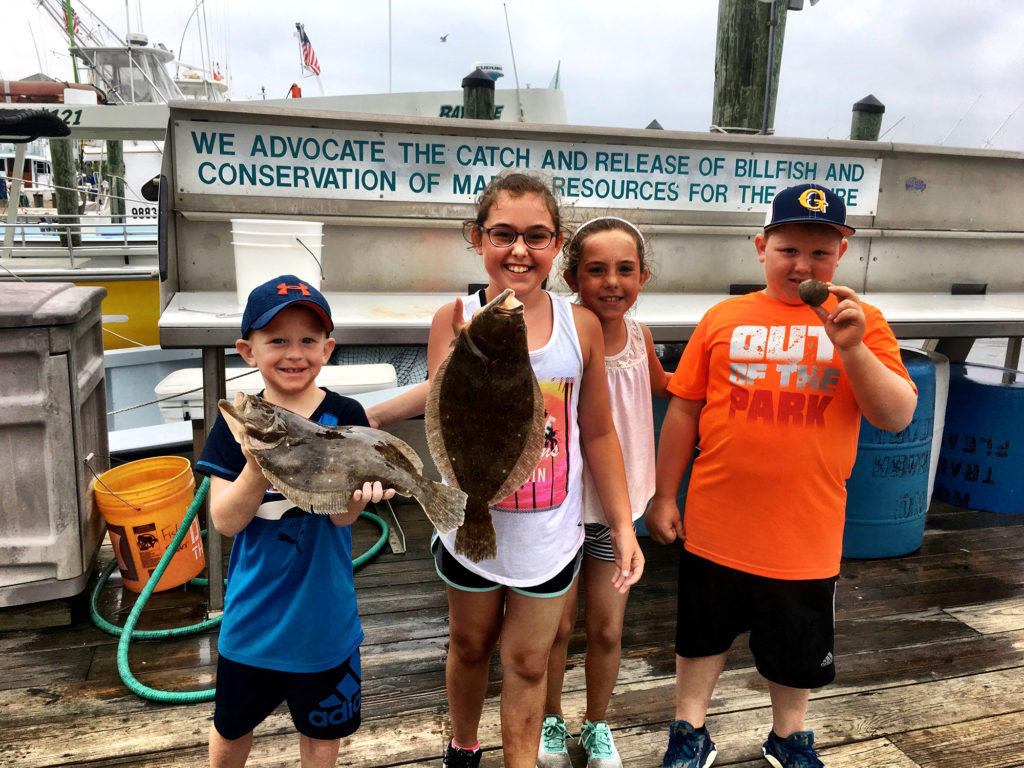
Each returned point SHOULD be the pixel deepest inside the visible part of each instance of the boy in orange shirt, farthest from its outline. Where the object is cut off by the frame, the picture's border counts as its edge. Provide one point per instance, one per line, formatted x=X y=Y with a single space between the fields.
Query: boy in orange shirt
x=777 y=389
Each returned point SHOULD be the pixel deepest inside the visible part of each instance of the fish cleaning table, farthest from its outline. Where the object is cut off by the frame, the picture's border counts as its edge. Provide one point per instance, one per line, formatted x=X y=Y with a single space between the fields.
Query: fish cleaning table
x=200 y=319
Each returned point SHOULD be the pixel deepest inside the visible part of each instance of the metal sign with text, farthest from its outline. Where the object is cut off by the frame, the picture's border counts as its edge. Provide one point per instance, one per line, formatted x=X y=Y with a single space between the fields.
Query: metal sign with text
x=245 y=159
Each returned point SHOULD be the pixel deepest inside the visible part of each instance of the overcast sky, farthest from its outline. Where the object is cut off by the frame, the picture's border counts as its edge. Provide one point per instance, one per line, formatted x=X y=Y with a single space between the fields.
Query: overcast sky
x=948 y=73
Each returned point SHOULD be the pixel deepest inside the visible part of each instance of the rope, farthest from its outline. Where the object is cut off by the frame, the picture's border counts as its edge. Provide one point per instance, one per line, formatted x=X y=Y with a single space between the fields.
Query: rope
x=175 y=395
x=128 y=633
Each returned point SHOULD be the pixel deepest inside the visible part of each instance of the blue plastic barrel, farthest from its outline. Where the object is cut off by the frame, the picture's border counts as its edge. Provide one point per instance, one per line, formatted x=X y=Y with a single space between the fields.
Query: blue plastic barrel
x=981 y=461
x=887 y=493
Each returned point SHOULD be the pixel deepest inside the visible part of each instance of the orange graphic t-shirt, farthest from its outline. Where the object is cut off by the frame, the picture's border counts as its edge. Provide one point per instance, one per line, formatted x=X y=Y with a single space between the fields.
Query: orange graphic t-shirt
x=778 y=436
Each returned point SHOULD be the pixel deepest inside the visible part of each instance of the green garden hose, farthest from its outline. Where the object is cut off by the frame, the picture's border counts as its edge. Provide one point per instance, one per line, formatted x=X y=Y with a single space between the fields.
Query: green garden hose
x=128 y=633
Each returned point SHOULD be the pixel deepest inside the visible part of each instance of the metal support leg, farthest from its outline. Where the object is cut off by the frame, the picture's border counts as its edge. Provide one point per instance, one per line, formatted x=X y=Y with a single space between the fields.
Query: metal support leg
x=396 y=536
x=214 y=389
x=1012 y=359
x=956 y=349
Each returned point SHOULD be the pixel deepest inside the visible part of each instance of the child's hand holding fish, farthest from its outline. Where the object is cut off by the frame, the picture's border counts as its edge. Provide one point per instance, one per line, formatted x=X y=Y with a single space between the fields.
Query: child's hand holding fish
x=372 y=493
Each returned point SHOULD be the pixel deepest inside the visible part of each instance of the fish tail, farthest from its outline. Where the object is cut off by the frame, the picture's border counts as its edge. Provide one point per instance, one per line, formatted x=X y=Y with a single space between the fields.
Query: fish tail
x=475 y=539
x=445 y=505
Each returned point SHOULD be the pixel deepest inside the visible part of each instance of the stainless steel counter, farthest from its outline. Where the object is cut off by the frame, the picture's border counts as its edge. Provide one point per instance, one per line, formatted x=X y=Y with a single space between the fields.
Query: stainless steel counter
x=211 y=319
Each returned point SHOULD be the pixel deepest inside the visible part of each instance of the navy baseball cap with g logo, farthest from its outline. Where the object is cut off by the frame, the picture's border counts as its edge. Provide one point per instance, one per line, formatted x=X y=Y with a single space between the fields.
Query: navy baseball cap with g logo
x=808 y=204
x=266 y=300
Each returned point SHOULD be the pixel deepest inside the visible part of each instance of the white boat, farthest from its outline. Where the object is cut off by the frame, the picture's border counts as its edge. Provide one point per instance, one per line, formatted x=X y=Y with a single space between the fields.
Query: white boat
x=137 y=80
x=112 y=239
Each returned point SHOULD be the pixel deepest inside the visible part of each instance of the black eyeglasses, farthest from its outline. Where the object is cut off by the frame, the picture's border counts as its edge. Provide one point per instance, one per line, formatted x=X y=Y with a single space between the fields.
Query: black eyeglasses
x=537 y=238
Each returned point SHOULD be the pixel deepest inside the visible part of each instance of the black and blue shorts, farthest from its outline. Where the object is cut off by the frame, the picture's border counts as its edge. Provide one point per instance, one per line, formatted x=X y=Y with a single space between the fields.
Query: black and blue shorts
x=453 y=573
x=323 y=705
x=791 y=623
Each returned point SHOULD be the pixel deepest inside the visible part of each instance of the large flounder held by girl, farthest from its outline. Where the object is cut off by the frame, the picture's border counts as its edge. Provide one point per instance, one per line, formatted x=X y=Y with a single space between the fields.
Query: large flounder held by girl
x=318 y=468
x=484 y=418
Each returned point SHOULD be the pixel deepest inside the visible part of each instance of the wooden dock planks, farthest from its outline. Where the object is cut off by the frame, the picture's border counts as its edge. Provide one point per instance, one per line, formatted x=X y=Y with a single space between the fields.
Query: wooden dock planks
x=930 y=669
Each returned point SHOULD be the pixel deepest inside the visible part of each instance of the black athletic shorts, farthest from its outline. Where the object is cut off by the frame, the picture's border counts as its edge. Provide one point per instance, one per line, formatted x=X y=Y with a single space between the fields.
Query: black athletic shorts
x=452 y=572
x=323 y=705
x=791 y=623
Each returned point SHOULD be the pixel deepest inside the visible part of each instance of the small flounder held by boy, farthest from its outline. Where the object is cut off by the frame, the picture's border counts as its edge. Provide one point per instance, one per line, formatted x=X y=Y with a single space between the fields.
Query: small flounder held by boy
x=318 y=467
x=484 y=418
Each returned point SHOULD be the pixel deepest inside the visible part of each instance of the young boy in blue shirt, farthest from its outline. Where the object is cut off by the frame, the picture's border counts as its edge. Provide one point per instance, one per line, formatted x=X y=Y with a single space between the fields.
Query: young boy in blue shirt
x=290 y=630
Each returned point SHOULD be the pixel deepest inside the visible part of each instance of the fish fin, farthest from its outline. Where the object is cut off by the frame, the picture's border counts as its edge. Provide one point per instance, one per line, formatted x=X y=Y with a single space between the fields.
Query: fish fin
x=445 y=505
x=399 y=445
x=532 y=450
x=432 y=425
x=320 y=503
x=476 y=539
x=233 y=418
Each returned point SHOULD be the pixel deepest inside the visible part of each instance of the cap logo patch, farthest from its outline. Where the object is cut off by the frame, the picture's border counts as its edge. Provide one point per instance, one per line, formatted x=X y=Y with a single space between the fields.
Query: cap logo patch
x=813 y=200
x=283 y=288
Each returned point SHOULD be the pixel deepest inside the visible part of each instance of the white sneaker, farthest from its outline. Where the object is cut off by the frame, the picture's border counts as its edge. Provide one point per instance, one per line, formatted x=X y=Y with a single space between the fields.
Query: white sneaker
x=597 y=741
x=552 y=752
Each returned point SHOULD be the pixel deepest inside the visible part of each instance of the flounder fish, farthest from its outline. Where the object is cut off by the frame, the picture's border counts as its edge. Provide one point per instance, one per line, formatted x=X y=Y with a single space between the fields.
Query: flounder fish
x=484 y=418
x=318 y=468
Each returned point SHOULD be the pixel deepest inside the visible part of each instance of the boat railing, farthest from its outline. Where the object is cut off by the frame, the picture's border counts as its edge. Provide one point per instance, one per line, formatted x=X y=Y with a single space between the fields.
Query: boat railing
x=48 y=235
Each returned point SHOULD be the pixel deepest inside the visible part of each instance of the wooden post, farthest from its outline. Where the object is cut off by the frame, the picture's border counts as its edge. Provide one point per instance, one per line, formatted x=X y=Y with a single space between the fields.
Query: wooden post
x=478 y=96
x=741 y=65
x=115 y=169
x=65 y=192
x=867 y=119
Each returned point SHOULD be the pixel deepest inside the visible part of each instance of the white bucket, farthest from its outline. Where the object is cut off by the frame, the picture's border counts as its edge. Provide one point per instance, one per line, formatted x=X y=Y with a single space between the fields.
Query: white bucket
x=255 y=263
x=277 y=226
x=266 y=248
x=255 y=238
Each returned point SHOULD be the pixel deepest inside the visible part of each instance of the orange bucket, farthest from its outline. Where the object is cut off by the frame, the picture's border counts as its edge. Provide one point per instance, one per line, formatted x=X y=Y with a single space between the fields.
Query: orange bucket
x=144 y=503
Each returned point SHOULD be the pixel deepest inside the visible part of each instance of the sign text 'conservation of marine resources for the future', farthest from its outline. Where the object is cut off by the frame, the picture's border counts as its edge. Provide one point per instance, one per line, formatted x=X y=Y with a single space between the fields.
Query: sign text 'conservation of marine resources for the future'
x=242 y=159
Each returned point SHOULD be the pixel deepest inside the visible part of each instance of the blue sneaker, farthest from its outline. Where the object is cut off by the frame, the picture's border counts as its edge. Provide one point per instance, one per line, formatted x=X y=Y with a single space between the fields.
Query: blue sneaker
x=795 y=751
x=688 y=747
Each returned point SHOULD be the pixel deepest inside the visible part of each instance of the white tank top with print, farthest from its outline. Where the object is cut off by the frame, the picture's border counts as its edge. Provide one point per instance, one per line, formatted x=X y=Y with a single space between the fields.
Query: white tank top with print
x=629 y=396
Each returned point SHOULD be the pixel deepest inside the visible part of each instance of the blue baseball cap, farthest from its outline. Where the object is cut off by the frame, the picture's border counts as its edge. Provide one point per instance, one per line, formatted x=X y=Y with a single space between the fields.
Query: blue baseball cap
x=808 y=204
x=266 y=300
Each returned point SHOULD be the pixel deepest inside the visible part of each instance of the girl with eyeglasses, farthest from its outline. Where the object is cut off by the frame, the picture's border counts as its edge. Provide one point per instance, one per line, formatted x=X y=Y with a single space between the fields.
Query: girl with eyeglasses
x=519 y=596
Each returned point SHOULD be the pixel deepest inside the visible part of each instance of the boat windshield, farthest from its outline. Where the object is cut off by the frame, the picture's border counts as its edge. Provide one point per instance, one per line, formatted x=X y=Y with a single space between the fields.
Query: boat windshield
x=130 y=75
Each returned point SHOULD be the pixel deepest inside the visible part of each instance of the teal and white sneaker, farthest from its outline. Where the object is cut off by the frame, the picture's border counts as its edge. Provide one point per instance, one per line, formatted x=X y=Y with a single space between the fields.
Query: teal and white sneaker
x=795 y=751
x=552 y=752
x=597 y=741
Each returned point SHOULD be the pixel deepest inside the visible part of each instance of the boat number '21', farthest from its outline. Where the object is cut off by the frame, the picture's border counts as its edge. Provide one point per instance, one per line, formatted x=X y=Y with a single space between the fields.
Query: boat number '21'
x=69 y=116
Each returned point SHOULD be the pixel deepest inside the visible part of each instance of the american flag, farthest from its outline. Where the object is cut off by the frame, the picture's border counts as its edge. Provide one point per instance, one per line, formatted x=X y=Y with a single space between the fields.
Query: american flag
x=76 y=22
x=308 y=55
